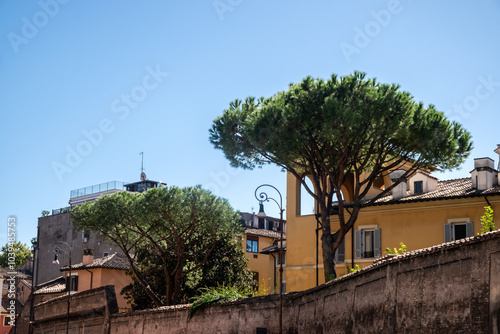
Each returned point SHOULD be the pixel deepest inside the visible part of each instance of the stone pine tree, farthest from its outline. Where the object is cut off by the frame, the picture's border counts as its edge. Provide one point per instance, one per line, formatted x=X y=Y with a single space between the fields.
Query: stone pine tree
x=173 y=231
x=335 y=131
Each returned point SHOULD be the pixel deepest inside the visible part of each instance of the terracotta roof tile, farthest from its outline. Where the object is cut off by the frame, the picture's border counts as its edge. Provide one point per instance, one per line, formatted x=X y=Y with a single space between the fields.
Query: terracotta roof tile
x=446 y=189
x=56 y=288
x=113 y=261
x=264 y=233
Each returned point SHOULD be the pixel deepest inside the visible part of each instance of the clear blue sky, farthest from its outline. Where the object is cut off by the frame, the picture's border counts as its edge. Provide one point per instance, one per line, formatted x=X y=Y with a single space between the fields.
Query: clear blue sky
x=152 y=76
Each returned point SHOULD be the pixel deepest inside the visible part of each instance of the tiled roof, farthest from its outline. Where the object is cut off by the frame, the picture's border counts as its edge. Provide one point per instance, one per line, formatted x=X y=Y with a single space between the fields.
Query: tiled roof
x=264 y=233
x=448 y=189
x=113 y=261
x=61 y=287
x=55 y=285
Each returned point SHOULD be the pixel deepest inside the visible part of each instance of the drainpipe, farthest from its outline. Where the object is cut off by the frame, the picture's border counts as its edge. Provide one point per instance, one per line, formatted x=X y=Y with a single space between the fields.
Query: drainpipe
x=274 y=266
x=486 y=198
x=91 y=277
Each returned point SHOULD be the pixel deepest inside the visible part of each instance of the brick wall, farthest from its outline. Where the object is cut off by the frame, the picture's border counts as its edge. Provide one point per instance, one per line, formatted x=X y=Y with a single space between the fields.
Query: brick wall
x=453 y=287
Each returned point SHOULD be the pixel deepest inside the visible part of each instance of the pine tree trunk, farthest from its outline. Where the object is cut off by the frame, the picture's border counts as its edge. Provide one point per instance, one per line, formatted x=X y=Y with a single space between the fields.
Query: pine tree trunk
x=327 y=243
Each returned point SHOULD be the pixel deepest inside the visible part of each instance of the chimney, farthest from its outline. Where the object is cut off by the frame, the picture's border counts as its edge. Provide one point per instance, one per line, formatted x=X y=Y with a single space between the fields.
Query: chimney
x=484 y=175
x=497 y=151
x=88 y=256
x=398 y=191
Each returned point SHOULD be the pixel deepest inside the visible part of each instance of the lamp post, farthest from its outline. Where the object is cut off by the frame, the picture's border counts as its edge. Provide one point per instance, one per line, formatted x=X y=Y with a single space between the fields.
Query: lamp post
x=57 y=250
x=263 y=197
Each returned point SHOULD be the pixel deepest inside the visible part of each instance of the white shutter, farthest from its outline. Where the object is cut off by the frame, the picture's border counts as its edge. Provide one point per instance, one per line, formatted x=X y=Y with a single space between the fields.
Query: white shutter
x=469 y=229
x=377 y=242
x=447 y=232
x=358 y=245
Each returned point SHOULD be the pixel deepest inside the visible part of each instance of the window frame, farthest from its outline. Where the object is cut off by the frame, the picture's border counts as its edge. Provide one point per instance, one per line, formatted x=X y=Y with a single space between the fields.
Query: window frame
x=359 y=244
x=6 y=321
x=254 y=241
x=421 y=187
x=72 y=282
x=449 y=229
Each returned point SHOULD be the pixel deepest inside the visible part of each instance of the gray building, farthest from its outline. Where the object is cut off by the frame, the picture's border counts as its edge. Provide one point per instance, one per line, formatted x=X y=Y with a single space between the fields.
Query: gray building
x=58 y=227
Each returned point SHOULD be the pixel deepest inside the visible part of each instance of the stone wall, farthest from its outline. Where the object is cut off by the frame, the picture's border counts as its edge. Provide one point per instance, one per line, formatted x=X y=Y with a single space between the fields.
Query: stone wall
x=453 y=287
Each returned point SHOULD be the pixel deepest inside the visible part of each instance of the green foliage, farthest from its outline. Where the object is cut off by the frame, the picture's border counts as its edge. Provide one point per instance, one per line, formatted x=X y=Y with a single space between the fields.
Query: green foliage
x=487 y=224
x=45 y=213
x=175 y=233
x=227 y=265
x=349 y=269
x=401 y=250
x=20 y=251
x=336 y=130
x=215 y=295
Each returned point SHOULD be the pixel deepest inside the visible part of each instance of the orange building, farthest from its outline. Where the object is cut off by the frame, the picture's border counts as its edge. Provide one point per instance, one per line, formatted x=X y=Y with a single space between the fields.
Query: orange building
x=93 y=273
x=421 y=212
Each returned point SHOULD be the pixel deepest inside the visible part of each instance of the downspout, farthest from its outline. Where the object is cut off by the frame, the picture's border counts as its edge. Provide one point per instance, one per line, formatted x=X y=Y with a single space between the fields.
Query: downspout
x=352 y=240
x=486 y=198
x=91 y=277
x=317 y=250
x=274 y=266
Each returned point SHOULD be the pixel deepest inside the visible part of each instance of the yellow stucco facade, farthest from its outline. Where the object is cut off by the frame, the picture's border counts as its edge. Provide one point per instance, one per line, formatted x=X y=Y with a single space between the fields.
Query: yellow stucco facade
x=416 y=223
x=264 y=266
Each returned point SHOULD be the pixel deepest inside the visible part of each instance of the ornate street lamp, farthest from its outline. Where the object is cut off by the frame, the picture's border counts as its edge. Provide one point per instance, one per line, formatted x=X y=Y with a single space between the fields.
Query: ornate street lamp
x=57 y=250
x=263 y=197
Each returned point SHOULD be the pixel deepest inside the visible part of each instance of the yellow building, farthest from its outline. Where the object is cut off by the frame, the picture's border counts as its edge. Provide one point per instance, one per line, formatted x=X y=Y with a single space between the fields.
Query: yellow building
x=261 y=245
x=421 y=212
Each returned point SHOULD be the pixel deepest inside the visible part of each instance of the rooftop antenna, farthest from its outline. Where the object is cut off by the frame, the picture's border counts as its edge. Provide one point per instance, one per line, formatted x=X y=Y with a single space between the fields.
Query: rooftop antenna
x=143 y=175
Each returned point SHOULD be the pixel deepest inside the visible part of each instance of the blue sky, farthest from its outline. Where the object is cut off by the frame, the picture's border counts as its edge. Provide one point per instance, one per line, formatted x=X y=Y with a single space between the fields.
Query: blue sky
x=87 y=85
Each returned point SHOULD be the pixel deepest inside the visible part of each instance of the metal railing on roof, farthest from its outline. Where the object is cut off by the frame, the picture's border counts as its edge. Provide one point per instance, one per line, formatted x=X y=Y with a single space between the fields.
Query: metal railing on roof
x=97 y=188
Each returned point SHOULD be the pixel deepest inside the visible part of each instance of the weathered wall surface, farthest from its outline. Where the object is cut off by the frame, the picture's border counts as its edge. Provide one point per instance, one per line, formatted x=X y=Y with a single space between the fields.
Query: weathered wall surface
x=58 y=227
x=450 y=288
x=89 y=313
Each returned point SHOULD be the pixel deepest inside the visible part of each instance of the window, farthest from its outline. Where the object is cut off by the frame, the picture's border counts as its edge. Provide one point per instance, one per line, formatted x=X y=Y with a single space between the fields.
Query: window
x=85 y=236
x=72 y=283
x=458 y=230
x=105 y=254
x=278 y=259
x=262 y=223
x=340 y=253
x=419 y=187
x=367 y=243
x=6 y=321
x=252 y=244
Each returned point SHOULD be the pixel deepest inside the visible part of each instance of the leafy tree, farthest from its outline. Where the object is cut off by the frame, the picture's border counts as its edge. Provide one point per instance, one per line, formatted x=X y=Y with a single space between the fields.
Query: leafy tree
x=487 y=224
x=20 y=251
x=173 y=232
x=345 y=131
x=226 y=266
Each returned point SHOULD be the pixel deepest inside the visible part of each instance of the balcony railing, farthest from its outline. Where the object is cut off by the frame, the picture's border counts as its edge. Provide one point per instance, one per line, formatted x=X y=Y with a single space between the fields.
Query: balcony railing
x=97 y=188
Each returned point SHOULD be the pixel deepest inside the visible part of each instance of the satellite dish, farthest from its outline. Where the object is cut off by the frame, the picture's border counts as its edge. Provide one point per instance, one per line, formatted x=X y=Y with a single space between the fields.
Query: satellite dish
x=143 y=176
